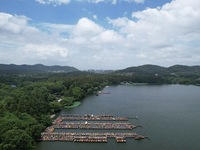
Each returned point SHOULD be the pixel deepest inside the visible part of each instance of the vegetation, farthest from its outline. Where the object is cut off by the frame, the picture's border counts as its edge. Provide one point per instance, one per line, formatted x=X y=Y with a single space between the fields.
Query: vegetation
x=28 y=100
x=26 y=103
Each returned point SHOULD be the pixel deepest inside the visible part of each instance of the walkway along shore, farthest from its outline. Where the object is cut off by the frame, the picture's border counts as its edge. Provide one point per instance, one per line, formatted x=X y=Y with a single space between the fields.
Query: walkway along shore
x=120 y=137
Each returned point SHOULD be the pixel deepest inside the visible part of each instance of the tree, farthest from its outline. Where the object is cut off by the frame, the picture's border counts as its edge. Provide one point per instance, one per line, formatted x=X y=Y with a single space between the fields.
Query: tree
x=55 y=107
x=45 y=120
x=16 y=139
x=67 y=101
x=10 y=104
x=78 y=93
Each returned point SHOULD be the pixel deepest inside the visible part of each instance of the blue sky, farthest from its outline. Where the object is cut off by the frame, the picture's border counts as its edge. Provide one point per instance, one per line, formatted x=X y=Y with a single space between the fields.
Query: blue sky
x=100 y=34
x=71 y=12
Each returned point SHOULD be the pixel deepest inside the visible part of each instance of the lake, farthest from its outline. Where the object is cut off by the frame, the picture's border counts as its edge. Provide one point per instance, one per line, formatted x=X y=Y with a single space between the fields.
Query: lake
x=169 y=114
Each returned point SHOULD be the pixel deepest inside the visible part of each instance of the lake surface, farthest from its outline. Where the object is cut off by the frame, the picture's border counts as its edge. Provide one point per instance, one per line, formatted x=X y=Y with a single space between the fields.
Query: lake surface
x=169 y=114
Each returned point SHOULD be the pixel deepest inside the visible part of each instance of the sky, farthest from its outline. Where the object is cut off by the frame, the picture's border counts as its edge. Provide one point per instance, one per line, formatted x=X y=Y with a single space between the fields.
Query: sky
x=100 y=34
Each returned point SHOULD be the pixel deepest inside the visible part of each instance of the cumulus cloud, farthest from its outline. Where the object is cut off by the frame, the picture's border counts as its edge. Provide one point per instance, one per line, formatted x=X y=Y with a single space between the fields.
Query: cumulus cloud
x=12 y=24
x=112 y=1
x=115 y=1
x=136 y=1
x=167 y=32
x=45 y=43
x=87 y=28
x=59 y=2
x=20 y=42
x=45 y=51
x=54 y=2
x=165 y=36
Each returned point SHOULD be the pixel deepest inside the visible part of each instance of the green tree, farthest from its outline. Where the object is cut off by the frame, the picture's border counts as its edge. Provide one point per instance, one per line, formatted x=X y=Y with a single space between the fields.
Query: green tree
x=67 y=101
x=78 y=93
x=55 y=107
x=16 y=139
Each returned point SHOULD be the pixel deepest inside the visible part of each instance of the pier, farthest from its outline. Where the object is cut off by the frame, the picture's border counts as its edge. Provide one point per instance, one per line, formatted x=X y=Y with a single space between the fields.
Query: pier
x=103 y=126
x=87 y=122
x=89 y=137
x=92 y=118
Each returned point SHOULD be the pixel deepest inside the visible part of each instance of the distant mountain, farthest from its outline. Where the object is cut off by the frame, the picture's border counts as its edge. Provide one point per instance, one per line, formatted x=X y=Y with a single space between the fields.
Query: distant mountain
x=145 y=69
x=139 y=70
x=38 y=68
x=100 y=71
x=184 y=69
x=153 y=69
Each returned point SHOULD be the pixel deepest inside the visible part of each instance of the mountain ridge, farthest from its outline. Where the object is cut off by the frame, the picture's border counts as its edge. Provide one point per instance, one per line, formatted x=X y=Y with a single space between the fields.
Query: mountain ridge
x=149 y=69
x=37 y=68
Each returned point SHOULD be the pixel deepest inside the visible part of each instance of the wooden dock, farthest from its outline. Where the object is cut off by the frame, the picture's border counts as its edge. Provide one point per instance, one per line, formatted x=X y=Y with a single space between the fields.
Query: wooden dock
x=100 y=126
x=89 y=137
x=87 y=122
x=92 y=118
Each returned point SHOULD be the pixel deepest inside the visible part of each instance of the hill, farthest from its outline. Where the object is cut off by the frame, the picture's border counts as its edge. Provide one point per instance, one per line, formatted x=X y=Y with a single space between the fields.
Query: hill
x=153 y=69
x=184 y=69
x=38 y=68
x=145 y=69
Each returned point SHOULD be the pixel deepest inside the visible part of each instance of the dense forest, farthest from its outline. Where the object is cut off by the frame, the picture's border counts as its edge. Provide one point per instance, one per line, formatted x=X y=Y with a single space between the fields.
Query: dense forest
x=28 y=100
x=26 y=103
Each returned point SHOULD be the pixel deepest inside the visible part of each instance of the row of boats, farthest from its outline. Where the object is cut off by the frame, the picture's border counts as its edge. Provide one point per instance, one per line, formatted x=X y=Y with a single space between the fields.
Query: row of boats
x=86 y=125
x=62 y=118
x=89 y=122
x=92 y=118
x=89 y=137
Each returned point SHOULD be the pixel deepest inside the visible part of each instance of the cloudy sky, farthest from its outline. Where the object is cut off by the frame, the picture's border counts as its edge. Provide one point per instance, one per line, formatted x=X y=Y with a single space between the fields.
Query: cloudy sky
x=100 y=34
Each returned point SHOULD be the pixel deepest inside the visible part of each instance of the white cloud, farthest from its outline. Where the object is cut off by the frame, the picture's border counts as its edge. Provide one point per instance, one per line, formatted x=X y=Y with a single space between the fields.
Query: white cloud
x=163 y=36
x=45 y=51
x=109 y=37
x=54 y=2
x=59 y=2
x=56 y=29
x=21 y=43
x=12 y=24
x=136 y=1
x=113 y=1
x=46 y=43
x=95 y=17
x=96 y=1
x=87 y=28
x=120 y=22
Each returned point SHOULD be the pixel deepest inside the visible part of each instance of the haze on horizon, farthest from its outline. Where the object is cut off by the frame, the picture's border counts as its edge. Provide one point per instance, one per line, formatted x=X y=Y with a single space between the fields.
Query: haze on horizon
x=100 y=34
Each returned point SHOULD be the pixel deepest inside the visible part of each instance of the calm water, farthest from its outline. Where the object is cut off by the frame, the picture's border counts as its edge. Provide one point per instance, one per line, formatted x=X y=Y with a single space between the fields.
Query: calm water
x=170 y=115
